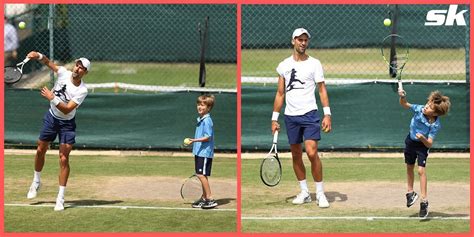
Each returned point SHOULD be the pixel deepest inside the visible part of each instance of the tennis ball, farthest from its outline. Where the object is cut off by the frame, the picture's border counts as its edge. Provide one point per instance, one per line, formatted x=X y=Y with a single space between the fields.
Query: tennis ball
x=22 y=25
x=387 y=22
x=326 y=130
x=187 y=141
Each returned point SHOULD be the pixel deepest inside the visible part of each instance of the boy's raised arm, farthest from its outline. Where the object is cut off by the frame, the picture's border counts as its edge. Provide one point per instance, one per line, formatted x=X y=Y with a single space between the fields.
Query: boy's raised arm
x=403 y=99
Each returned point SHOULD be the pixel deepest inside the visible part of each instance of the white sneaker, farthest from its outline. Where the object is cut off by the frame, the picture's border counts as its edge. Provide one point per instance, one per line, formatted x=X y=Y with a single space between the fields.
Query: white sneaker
x=59 y=204
x=34 y=188
x=322 y=200
x=302 y=197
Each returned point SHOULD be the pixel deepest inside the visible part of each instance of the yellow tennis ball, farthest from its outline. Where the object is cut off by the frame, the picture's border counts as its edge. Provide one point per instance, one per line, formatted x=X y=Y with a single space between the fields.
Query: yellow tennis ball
x=387 y=22
x=187 y=141
x=326 y=130
x=22 y=25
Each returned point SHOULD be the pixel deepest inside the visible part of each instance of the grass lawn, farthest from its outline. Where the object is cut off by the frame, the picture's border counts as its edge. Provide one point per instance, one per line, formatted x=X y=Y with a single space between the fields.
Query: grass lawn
x=362 y=63
x=358 y=187
x=90 y=185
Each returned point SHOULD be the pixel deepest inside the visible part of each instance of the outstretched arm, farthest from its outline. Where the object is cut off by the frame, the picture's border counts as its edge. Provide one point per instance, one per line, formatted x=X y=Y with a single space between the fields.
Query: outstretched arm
x=45 y=60
x=278 y=103
x=403 y=99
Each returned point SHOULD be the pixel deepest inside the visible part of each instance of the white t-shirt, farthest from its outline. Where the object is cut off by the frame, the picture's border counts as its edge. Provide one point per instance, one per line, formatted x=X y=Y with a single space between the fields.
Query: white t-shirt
x=10 y=38
x=66 y=91
x=300 y=84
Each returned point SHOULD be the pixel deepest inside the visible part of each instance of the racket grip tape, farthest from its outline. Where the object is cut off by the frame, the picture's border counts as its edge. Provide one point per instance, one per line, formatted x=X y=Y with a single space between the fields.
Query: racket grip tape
x=275 y=137
x=400 y=86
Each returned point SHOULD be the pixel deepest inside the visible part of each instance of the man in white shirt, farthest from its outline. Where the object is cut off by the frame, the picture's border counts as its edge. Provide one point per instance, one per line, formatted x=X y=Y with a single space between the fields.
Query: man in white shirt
x=10 y=43
x=67 y=94
x=298 y=76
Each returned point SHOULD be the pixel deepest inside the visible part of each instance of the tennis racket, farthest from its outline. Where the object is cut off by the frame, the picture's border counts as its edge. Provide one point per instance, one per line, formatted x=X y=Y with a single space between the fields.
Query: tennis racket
x=270 y=169
x=191 y=189
x=13 y=74
x=395 y=53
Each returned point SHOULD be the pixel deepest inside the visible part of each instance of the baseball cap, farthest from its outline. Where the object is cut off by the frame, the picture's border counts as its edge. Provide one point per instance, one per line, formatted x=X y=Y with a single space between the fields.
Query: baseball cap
x=299 y=32
x=85 y=62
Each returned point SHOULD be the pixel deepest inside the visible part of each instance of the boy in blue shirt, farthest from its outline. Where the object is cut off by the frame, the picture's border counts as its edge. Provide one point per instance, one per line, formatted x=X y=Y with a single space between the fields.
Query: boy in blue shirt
x=424 y=126
x=203 y=150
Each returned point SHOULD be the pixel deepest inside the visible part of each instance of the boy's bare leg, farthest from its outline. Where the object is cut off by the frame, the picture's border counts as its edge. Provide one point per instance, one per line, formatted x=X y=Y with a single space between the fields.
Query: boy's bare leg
x=410 y=177
x=423 y=183
x=205 y=186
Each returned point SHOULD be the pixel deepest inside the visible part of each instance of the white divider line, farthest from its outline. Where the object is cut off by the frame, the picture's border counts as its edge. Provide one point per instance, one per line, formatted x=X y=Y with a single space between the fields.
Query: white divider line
x=119 y=207
x=368 y=218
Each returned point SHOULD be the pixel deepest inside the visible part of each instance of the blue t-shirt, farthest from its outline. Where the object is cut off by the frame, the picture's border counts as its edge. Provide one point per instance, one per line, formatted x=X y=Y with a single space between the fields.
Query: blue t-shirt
x=204 y=128
x=420 y=124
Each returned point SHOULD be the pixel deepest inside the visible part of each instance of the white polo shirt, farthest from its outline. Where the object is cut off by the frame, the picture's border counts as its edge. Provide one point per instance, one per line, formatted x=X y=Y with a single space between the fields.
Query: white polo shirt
x=300 y=84
x=66 y=91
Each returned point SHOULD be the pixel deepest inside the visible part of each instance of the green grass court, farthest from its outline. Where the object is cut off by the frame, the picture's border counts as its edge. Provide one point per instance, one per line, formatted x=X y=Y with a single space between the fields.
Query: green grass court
x=165 y=74
x=159 y=74
x=362 y=63
x=97 y=182
x=358 y=188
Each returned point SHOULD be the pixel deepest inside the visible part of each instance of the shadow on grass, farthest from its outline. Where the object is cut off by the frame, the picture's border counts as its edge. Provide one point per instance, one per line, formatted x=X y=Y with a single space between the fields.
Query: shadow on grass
x=86 y=202
x=331 y=196
x=223 y=201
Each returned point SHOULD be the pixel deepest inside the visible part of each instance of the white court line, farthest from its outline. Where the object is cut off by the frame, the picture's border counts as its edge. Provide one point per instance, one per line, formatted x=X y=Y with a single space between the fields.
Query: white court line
x=120 y=207
x=368 y=218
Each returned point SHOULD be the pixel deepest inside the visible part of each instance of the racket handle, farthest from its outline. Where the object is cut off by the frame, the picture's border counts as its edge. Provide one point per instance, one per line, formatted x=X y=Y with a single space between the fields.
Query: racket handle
x=275 y=137
x=400 y=86
x=26 y=60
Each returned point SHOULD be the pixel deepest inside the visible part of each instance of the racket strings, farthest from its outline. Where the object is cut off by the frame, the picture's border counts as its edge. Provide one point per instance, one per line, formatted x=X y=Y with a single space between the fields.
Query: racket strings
x=191 y=189
x=11 y=74
x=271 y=170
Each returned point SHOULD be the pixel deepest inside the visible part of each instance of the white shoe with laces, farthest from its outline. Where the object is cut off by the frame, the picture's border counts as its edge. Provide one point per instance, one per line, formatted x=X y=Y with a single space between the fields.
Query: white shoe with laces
x=59 y=204
x=322 y=200
x=34 y=188
x=302 y=197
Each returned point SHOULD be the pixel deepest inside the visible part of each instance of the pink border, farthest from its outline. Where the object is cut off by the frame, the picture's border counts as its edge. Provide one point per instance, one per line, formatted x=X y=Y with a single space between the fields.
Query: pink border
x=239 y=20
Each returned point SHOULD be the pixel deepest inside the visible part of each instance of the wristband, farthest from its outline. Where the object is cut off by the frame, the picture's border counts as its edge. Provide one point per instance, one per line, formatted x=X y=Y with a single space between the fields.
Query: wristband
x=40 y=56
x=55 y=101
x=327 y=111
x=275 y=116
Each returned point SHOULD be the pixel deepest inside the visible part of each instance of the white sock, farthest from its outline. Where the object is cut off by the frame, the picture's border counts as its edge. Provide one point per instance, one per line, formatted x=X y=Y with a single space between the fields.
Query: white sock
x=319 y=187
x=303 y=185
x=37 y=177
x=62 y=190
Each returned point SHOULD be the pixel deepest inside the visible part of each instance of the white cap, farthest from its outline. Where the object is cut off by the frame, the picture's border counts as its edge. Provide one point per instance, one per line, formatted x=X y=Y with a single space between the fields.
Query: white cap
x=299 y=32
x=85 y=62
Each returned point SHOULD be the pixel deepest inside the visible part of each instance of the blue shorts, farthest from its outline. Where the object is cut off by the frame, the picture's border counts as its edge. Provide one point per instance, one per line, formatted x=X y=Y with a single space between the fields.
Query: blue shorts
x=203 y=165
x=66 y=129
x=304 y=126
x=415 y=150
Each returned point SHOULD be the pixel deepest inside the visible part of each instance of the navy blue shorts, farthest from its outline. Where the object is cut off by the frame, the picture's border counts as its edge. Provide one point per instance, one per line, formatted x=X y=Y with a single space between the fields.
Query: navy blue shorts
x=415 y=150
x=304 y=126
x=203 y=165
x=52 y=127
